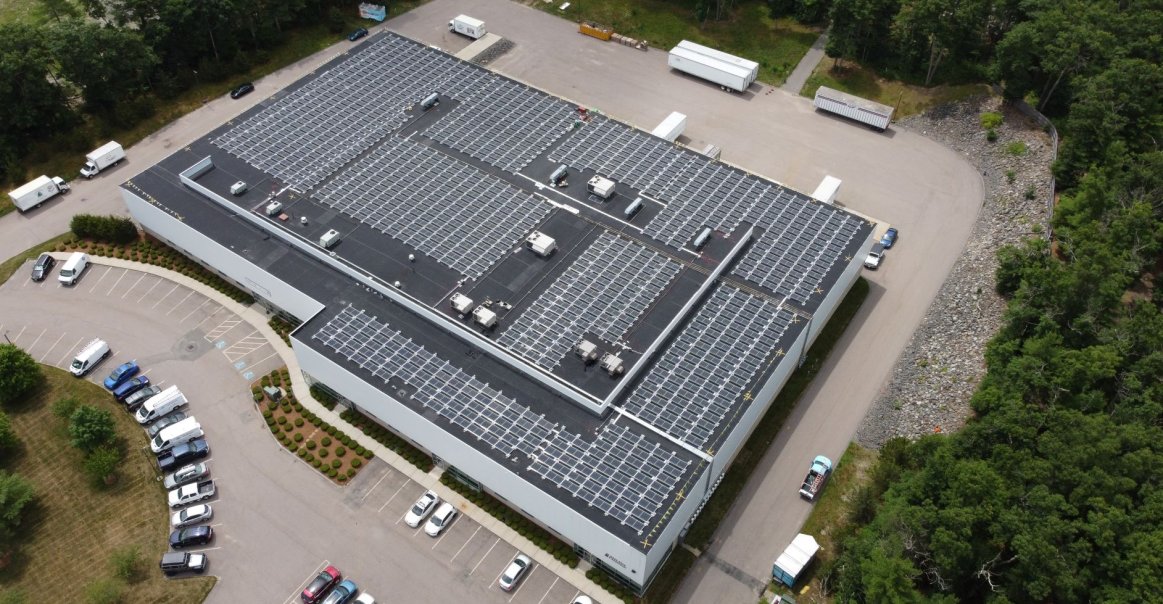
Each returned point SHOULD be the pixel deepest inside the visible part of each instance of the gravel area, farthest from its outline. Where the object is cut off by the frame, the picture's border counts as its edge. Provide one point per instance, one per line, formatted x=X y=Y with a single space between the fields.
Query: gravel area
x=940 y=368
x=502 y=46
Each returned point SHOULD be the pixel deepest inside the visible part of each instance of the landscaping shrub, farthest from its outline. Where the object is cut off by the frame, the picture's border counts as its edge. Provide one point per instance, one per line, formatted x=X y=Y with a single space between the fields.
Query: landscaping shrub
x=317 y=463
x=351 y=472
x=19 y=373
x=340 y=451
x=311 y=444
x=298 y=422
x=302 y=453
x=298 y=437
x=104 y=591
x=355 y=463
x=331 y=472
x=127 y=563
x=112 y=229
x=326 y=442
x=336 y=464
x=323 y=453
x=341 y=478
x=282 y=419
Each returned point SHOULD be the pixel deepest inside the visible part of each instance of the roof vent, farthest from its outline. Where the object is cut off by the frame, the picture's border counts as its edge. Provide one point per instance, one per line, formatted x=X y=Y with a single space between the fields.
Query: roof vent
x=601 y=186
x=329 y=239
x=484 y=317
x=543 y=245
x=238 y=188
x=612 y=364
x=633 y=208
x=461 y=303
x=587 y=350
x=558 y=177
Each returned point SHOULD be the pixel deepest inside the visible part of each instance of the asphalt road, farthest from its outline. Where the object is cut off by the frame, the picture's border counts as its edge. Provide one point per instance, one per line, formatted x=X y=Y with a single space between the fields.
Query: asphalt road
x=900 y=177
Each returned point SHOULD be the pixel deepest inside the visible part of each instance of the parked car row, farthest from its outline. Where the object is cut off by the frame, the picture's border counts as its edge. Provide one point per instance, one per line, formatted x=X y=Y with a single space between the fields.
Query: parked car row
x=329 y=587
x=876 y=254
x=70 y=271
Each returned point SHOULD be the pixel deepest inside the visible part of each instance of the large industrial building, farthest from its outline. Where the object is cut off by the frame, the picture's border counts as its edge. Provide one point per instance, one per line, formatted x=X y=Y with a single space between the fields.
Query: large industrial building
x=593 y=351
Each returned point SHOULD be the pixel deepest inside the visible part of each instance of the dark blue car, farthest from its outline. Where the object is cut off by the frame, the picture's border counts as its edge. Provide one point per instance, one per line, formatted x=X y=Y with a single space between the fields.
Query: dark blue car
x=182 y=454
x=122 y=373
x=127 y=388
x=357 y=34
x=889 y=238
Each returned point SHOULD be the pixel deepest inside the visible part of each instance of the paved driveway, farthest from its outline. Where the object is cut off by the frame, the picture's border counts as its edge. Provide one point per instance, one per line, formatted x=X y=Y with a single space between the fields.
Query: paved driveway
x=277 y=521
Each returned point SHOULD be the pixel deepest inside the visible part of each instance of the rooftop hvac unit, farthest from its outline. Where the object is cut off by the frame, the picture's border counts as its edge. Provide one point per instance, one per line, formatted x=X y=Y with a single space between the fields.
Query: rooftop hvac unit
x=587 y=350
x=543 y=245
x=329 y=239
x=430 y=101
x=238 y=188
x=484 y=317
x=558 y=175
x=461 y=303
x=633 y=208
x=274 y=207
x=612 y=364
x=601 y=186
x=702 y=238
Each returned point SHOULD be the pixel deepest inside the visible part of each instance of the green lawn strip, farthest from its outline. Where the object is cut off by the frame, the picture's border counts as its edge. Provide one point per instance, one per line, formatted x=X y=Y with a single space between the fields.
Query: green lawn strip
x=11 y=265
x=74 y=526
x=860 y=81
x=750 y=32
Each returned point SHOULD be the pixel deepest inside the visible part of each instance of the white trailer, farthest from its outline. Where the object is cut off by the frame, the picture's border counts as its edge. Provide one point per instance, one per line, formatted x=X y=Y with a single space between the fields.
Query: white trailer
x=794 y=559
x=671 y=127
x=827 y=190
x=728 y=71
x=466 y=25
x=40 y=190
x=853 y=107
x=109 y=154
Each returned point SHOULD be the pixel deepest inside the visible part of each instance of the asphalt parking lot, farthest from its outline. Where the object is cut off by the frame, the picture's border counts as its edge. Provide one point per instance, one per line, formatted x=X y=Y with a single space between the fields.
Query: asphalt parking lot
x=277 y=521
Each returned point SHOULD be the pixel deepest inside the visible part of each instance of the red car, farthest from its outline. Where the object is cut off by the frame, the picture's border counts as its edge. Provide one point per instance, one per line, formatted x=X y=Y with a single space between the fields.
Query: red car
x=320 y=585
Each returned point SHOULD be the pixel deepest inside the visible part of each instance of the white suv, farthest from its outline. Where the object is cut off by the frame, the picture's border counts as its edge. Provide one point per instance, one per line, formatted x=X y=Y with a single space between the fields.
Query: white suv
x=440 y=519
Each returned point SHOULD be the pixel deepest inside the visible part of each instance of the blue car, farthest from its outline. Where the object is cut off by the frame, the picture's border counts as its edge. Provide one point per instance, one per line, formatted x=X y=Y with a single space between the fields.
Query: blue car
x=889 y=238
x=127 y=388
x=342 y=594
x=357 y=34
x=122 y=373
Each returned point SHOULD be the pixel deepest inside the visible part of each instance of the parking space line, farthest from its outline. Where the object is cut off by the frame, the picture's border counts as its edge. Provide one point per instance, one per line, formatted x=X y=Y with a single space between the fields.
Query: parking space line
x=159 y=300
x=264 y=358
x=497 y=579
x=147 y=292
x=33 y=345
x=551 y=586
x=117 y=282
x=69 y=351
x=180 y=302
x=474 y=569
x=303 y=584
x=470 y=538
x=382 y=478
x=183 y=319
x=131 y=287
x=54 y=345
x=108 y=269
x=526 y=579
x=17 y=338
x=394 y=496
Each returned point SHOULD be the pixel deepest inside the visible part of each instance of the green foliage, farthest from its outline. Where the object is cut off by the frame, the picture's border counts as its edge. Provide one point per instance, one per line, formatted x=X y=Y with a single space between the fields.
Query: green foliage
x=19 y=374
x=109 y=229
x=16 y=496
x=8 y=438
x=105 y=591
x=1011 y=176
x=35 y=104
x=102 y=464
x=991 y=120
x=90 y=428
x=126 y=563
x=991 y=135
x=82 y=51
x=1016 y=148
x=13 y=596
x=335 y=21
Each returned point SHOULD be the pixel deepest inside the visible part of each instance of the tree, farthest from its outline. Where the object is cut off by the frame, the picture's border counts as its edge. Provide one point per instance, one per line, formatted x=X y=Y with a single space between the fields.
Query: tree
x=8 y=438
x=109 y=65
x=931 y=31
x=19 y=374
x=860 y=29
x=90 y=428
x=16 y=495
x=102 y=464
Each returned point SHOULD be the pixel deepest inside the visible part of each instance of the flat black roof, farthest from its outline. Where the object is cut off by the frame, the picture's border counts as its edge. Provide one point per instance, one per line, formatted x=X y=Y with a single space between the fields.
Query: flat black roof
x=439 y=201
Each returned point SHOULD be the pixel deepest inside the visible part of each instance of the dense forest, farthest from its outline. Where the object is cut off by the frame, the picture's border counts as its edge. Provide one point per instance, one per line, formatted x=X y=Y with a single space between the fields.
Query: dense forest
x=116 y=61
x=1052 y=492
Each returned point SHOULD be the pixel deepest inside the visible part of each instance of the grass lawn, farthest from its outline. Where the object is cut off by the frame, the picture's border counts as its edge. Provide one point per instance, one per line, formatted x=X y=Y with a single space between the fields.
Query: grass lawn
x=74 y=525
x=11 y=265
x=854 y=79
x=750 y=32
x=20 y=11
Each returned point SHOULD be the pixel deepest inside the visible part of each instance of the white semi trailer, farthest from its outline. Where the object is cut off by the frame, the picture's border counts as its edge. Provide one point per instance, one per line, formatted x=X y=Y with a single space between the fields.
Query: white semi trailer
x=853 y=107
x=728 y=71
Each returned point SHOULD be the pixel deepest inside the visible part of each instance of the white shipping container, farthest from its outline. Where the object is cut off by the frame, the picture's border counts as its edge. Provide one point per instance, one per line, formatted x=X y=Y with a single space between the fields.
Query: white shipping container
x=827 y=190
x=712 y=65
x=671 y=127
x=853 y=107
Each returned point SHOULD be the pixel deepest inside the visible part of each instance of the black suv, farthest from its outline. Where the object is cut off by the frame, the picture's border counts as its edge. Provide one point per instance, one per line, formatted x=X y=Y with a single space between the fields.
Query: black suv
x=194 y=535
x=173 y=563
x=183 y=453
x=43 y=267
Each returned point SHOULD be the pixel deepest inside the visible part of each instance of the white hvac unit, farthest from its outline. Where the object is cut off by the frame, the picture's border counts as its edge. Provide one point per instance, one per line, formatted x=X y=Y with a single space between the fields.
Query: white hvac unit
x=484 y=317
x=461 y=303
x=238 y=188
x=273 y=208
x=827 y=190
x=543 y=245
x=329 y=239
x=587 y=350
x=612 y=364
x=601 y=186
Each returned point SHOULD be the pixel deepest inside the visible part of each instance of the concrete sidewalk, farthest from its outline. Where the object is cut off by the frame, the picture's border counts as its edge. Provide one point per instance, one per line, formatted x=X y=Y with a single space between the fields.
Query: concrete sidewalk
x=257 y=318
x=799 y=76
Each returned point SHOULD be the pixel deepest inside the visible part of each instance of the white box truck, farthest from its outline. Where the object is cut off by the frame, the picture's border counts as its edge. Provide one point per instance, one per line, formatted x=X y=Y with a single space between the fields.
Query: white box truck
x=728 y=71
x=109 y=154
x=467 y=26
x=40 y=190
x=853 y=107
x=792 y=562
x=671 y=127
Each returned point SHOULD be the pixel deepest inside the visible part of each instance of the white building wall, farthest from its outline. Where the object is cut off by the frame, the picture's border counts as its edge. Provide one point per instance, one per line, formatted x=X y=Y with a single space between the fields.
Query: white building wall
x=242 y=271
x=836 y=295
x=499 y=479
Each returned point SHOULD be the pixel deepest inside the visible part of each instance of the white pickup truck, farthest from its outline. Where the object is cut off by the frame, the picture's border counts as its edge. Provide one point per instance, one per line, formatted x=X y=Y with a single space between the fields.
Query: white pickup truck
x=192 y=493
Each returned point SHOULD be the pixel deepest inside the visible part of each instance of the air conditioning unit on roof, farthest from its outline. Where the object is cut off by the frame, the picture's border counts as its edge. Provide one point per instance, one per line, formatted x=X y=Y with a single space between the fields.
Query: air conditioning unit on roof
x=612 y=364
x=587 y=350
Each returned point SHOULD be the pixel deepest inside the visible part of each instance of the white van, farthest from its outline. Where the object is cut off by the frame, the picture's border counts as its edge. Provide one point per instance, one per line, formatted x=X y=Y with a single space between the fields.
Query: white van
x=181 y=432
x=160 y=404
x=73 y=268
x=94 y=352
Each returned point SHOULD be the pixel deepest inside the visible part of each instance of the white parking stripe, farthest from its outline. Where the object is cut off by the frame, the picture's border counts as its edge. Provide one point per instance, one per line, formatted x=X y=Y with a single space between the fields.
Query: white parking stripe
x=17 y=338
x=33 y=345
x=131 y=287
x=183 y=319
x=474 y=569
x=524 y=580
x=159 y=300
x=263 y=359
x=54 y=345
x=180 y=302
x=554 y=584
x=69 y=352
x=369 y=491
x=155 y=284
x=470 y=538
x=116 y=283
x=101 y=278
x=393 y=496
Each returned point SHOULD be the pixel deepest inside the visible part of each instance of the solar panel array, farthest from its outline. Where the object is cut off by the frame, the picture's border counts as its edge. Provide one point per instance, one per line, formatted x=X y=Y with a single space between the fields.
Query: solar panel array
x=621 y=473
x=480 y=410
x=696 y=383
x=604 y=291
x=449 y=210
x=802 y=237
x=503 y=123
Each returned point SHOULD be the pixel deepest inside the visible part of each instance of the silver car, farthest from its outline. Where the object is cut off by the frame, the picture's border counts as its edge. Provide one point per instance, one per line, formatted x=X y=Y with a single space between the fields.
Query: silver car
x=185 y=474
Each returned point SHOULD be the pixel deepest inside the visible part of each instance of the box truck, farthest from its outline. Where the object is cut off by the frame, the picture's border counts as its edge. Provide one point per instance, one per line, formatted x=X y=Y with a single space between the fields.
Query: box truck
x=109 y=154
x=728 y=71
x=40 y=190
x=792 y=562
x=466 y=25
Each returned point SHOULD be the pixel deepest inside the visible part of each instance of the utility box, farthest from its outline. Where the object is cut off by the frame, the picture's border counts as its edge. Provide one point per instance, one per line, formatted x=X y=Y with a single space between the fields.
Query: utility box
x=329 y=239
x=601 y=186
x=543 y=245
x=671 y=128
x=484 y=317
x=461 y=303
x=273 y=208
x=827 y=190
x=273 y=393
x=587 y=350
x=612 y=364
